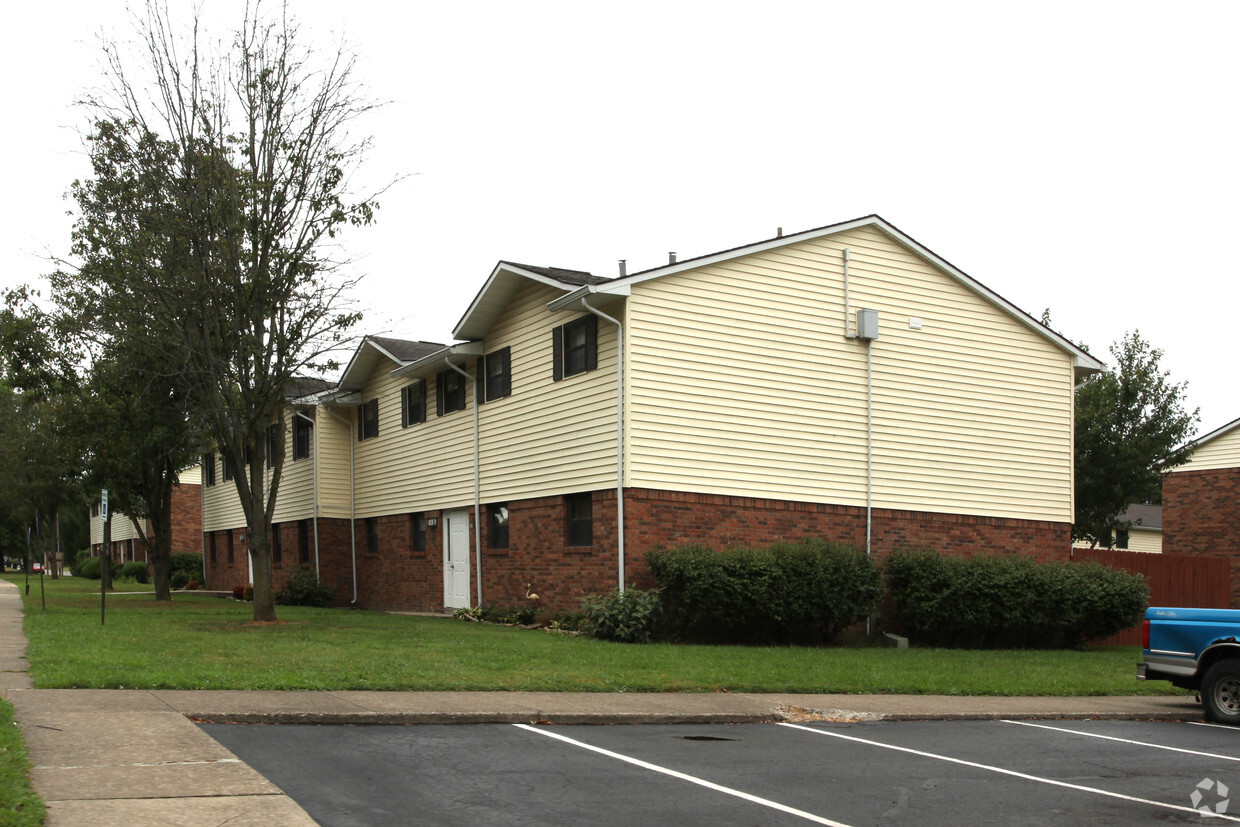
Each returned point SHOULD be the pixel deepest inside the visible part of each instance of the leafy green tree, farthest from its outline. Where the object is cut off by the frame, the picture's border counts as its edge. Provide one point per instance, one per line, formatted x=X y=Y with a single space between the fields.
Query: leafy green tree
x=218 y=188
x=1131 y=426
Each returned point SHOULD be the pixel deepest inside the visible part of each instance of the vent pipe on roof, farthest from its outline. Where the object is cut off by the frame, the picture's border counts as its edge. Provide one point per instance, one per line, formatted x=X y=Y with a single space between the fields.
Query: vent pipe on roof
x=671 y=257
x=779 y=232
x=622 y=271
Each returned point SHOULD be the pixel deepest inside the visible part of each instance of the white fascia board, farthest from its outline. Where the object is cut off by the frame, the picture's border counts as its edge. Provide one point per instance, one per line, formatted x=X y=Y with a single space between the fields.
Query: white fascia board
x=572 y=301
x=461 y=349
x=346 y=377
x=500 y=270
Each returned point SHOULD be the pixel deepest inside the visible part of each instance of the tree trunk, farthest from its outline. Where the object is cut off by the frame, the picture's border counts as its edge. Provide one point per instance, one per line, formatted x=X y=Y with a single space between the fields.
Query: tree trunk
x=264 y=594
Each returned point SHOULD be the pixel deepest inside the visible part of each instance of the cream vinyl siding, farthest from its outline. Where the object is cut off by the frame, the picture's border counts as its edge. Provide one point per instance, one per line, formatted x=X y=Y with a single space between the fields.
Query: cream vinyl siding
x=122 y=528
x=221 y=507
x=742 y=383
x=1221 y=452
x=332 y=441
x=546 y=438
x=1144 y=540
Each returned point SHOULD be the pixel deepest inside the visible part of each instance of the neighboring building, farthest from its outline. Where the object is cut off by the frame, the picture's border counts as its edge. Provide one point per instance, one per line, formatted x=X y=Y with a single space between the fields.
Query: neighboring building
x=1201 y=501
x=1143 y=530
x=126 y=543
x=843 y=382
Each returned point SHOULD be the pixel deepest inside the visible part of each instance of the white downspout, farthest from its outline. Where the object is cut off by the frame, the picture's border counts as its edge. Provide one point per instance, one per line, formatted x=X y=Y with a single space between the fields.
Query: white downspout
x=619 y=433
x=314 y=516
x=352 y=508
x=477 y=483
x=869 y=442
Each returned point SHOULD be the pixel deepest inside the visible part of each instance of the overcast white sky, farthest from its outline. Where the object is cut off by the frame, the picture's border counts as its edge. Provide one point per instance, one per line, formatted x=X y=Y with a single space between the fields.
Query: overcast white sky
x=1078 y=156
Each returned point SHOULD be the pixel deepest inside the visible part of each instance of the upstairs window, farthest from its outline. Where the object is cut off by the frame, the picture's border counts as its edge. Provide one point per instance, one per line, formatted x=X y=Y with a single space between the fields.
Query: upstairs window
x=449 y=392
x=497 y=525
x=303 y=432
x=271 y=445
x=413 y=404
x=208 y=469
x=580 y=511
x=495 y=375
x=225 y=468
x=574 y=347
x=94 y=509
x=1121 y=538
x=368 y=420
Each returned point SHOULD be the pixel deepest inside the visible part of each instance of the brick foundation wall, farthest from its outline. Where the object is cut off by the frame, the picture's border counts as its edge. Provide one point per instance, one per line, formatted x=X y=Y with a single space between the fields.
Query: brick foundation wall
x=397 y=578
x=1201 y=517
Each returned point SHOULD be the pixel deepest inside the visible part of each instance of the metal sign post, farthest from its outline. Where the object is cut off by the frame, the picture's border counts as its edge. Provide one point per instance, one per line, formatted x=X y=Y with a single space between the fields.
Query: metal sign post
x=105 y=557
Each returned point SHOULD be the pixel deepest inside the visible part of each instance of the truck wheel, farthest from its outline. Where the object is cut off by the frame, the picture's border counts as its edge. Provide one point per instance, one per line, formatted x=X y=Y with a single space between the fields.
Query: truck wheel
x=1220 y=692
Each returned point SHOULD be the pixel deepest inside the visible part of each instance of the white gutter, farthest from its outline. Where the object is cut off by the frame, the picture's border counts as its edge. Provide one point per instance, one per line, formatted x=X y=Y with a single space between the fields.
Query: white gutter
x=619 y=435
x=352 y=509
x=477 y=480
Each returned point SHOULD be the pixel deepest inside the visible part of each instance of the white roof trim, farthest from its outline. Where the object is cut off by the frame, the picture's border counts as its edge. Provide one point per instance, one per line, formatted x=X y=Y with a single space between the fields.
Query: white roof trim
x=501 y=268
x=571 y=301
x=1215 y=434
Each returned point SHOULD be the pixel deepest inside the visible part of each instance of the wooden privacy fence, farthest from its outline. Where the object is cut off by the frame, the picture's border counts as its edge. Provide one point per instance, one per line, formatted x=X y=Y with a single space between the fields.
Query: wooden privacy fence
x=1175 y=580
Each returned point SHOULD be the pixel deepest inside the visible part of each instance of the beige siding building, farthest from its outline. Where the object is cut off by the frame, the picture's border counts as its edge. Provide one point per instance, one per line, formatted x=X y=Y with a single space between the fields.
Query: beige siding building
x=843 y=382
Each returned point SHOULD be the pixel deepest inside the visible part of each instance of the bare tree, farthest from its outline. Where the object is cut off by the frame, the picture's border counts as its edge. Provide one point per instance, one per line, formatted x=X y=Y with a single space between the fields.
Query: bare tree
x=233 y=164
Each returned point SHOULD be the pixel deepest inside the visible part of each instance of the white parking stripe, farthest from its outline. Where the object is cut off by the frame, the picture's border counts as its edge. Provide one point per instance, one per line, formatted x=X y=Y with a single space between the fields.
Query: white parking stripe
x=691 y=779
x=1231 y=727
x=1125 y=740
x=1003 y=771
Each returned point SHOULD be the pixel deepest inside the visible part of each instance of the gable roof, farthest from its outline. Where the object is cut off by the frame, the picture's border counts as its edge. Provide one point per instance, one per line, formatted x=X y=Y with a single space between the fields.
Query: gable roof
x=1213 y=435
x=374 y=349
x=1083 y=363
x=502 y=285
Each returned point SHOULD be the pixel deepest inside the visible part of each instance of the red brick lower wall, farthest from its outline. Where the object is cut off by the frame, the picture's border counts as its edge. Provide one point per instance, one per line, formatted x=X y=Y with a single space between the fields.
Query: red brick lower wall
x=186 y=518
x=1201 y=517
x=538 y=555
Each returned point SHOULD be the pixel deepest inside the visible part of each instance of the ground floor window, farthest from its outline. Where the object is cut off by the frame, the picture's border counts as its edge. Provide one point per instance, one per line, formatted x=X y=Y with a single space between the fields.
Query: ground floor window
x=303 y=543
x=277 y=549
x=417 y=531
x=580 y=511
x=497 y=525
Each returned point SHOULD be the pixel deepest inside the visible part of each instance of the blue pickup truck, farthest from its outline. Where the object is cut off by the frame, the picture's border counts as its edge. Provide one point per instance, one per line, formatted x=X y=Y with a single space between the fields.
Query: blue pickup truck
x=1195 y=649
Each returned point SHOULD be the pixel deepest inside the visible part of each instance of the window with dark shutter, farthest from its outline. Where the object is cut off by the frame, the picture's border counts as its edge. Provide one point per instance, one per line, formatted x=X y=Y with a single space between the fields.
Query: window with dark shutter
x=271 y=445
x=277 y=548
x=413 y=403
x=372 y=535
x=497 y=526
x=495 y=375
x=208 y=469
x=450 y=392
x=303 y=428
x=303 y=543
x=579 y=509
x=417 y=532
x=574 y=347
x=368 y=420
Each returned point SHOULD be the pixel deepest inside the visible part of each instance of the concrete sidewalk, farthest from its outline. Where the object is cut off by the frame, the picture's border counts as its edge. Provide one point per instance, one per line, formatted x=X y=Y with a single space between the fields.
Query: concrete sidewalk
x=135 y=757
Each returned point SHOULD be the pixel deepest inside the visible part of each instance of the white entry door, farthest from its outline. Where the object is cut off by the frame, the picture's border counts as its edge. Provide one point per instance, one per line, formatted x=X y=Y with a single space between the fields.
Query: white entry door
x=456 y=559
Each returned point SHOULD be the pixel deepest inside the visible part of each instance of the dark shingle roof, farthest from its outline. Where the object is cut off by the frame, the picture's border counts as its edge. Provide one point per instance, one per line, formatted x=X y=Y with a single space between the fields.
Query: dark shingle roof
x=306 y=385
x=404 y=349
x=1143 y=516
x=576 y=278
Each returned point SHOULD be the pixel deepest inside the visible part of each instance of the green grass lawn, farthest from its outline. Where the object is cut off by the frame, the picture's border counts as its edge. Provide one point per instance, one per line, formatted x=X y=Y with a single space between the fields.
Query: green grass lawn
x=202 y=642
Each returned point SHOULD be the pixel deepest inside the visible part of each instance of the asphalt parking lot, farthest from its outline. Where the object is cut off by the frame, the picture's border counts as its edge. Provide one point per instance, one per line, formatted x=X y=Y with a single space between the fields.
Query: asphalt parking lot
x=923 y=773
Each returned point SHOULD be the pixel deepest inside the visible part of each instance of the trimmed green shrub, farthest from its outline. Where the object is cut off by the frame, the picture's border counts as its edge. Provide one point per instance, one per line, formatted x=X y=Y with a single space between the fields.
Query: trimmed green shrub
x=80 y=560
x=995 y=601
x=90 y=569
x=629 y=616
x=178 y=580
x=803 y=592
x=185 y=561
x=302 y=588
x=137 y=572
